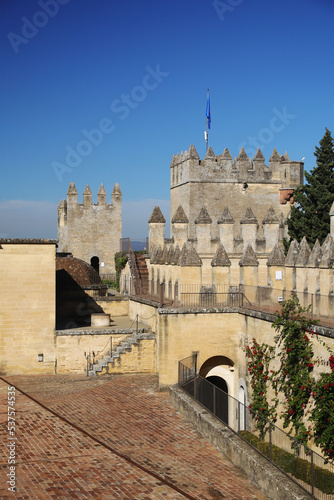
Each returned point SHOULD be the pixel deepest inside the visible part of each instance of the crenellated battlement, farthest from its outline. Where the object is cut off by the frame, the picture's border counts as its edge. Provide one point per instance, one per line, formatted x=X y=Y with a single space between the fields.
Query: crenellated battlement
x=253 y=257
x=188 y=167
x=234 y=235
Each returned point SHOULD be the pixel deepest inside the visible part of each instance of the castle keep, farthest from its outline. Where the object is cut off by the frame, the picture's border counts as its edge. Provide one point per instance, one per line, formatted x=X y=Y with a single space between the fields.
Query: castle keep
x=90 y=231
x=233 y=202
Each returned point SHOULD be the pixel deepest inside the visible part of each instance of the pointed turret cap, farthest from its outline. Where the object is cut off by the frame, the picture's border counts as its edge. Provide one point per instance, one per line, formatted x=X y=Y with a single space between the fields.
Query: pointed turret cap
x=164 y=256
x=276 y=257
x=270 y=217
x=293 y=252
x=304 y=253
x=275 y=156
x=193 y=155
x=72 y=189
x=156 y=216
x=249 y=217
x=177 y=255
x=189 y=256
x=286 y=156
x=87 y=190
x=158 y=256
x=210 y=154
x=226 y=155
x=62 y=204
x=117 y=189
x=249 y=257
x=258 y=155
x=180 y=216
x=220 y=258
x=102 y=190
x=226 y=217
x=327 y=259
x=203 y=217
x=242 y=155
x=170 y=255
x=325 y=243
x=331 y=212
x=153 y=256
x=315 y=256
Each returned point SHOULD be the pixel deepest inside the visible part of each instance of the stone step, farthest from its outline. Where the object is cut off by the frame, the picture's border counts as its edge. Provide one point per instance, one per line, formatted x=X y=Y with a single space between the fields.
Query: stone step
x=124 y=346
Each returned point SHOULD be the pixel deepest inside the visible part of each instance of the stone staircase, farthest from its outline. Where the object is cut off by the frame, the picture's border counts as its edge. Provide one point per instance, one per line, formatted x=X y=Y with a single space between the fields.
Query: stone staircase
x=102 y=365
x=143 y=273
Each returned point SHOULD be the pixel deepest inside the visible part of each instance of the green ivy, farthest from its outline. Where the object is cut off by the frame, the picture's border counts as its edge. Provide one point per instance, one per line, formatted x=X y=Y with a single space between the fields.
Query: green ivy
x=121 y=259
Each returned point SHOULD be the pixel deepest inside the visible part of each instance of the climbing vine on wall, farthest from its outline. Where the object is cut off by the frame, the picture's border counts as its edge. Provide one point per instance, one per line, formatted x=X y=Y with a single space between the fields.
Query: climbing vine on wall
x=305 y=400
x=121 y=259
x=259 y=357
x=294 y=378
x=322 y=413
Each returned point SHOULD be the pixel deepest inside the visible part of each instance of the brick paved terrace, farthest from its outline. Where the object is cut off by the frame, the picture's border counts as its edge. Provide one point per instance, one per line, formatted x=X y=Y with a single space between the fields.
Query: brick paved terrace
x=115 y=437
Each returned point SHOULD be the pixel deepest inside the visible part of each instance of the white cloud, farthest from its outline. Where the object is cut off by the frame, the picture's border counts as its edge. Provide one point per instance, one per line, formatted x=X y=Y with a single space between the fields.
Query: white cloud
x=38 y=219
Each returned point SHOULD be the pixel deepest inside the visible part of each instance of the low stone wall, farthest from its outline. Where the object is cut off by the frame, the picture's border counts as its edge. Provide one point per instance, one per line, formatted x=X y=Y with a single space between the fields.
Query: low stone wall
x=115 y=306
x=146 y=310
x=262 y=473
x=71 y=346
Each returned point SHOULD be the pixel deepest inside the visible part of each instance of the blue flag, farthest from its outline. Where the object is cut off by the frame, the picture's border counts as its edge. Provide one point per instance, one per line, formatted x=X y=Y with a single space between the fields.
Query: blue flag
x=208 y=112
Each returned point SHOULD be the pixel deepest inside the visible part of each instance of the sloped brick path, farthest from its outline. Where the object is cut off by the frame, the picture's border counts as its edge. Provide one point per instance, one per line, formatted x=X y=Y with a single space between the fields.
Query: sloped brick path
x=113 y=437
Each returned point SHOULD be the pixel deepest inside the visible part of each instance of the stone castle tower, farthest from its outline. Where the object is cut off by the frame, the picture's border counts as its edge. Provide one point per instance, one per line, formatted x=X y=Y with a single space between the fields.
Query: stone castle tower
x=90 y=231
x=233 y=202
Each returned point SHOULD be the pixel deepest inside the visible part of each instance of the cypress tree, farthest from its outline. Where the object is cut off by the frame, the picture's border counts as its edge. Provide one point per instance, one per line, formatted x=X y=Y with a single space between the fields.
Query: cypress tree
x=310 y=215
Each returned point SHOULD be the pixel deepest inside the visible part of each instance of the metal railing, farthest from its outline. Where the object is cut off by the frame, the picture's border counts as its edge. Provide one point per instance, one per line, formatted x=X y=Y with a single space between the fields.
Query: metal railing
x=270 y=299
x=308 y=469
x=195 y=295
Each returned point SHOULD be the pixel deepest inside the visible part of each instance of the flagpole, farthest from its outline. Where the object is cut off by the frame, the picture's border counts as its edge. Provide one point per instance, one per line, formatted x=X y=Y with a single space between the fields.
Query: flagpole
x=207 y=125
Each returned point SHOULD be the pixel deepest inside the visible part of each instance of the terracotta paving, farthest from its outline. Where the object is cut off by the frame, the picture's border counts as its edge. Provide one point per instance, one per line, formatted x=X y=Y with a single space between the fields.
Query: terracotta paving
x=112 y=437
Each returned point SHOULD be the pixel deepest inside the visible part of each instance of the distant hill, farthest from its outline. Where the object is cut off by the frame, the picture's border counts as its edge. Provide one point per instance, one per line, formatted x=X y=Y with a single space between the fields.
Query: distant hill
x=138 y=245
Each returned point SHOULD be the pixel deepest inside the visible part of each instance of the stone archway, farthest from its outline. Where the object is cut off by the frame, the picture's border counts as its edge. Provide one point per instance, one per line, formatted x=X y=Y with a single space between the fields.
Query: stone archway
x=95 y=263
x=217 y=370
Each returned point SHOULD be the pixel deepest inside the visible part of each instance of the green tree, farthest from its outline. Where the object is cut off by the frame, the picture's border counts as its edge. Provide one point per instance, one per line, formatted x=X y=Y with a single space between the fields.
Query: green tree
x=310 y=215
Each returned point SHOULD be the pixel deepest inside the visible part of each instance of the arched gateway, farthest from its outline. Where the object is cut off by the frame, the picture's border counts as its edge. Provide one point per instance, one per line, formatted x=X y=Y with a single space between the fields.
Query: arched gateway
x=217 y=372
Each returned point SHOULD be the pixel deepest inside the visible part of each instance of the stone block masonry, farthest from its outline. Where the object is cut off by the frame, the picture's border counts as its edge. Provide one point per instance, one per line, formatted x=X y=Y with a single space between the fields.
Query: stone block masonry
x=89 y=231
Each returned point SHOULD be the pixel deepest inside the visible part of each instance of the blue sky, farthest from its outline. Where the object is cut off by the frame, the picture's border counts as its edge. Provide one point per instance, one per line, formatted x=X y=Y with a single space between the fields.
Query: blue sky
x=138 y=71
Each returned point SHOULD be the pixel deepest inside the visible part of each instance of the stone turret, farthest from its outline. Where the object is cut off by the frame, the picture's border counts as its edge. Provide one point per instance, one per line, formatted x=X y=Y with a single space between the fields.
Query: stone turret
x=275 y=268
x=156 y=229
x=248 y=228
x=101 y=196
x=203 y=231
x=87 y=197
x=226 y=229
x=271 y=225
x=179 y=225
x=72 y=195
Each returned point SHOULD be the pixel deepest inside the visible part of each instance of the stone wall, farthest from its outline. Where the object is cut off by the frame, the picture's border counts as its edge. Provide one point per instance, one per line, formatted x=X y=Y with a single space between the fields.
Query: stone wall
x=90 y=230
x=264 y=475
x=219 y=181
x=27 y=306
